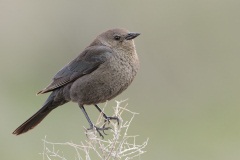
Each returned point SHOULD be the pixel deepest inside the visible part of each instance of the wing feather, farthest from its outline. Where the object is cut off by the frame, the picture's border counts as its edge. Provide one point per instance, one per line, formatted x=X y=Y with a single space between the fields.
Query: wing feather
x=88 y=61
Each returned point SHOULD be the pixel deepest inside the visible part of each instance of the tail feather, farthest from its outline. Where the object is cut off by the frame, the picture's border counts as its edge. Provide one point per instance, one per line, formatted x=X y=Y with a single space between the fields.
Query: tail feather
x=33 y=121
x=54 y=100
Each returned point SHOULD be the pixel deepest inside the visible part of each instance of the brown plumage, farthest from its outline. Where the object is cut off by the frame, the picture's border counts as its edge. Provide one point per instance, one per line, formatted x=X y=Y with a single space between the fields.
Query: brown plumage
x=101 y=72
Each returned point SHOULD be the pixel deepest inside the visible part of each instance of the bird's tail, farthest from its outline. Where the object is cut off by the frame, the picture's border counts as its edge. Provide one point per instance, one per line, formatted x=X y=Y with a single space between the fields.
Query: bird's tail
x=34 y=120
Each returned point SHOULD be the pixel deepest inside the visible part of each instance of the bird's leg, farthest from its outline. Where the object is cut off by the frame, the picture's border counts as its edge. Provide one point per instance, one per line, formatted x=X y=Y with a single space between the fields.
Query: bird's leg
x=107 y=118
x=98 y=129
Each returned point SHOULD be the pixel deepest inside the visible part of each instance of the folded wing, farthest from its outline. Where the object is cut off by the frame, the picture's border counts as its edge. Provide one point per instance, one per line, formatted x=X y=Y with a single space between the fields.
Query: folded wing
x=88 y=61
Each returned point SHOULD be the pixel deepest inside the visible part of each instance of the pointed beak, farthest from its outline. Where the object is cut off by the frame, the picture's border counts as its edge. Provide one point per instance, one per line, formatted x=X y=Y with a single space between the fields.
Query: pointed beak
x=131 y=35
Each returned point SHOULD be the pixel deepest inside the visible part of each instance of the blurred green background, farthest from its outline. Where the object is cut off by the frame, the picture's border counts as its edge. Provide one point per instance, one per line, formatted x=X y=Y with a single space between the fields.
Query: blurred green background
x=187 y=91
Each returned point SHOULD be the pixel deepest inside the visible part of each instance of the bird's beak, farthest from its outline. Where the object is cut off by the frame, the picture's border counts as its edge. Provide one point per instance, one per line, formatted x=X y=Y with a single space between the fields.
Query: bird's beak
x=131 y=35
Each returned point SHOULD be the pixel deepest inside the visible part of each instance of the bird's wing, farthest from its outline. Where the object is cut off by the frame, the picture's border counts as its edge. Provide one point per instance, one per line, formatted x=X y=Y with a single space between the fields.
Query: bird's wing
x=88 y=61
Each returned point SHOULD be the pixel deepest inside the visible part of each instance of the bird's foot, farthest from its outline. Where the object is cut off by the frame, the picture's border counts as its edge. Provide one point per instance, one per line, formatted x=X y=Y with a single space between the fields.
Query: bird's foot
x=100 y=129
x=107 y=119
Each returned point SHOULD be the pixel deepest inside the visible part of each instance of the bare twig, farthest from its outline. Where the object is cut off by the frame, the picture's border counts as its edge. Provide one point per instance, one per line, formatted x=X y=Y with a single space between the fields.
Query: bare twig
x=118 y=146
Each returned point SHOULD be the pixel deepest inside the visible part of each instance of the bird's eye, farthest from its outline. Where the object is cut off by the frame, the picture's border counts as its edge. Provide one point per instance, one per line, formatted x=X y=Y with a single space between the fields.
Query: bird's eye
x=117 y=38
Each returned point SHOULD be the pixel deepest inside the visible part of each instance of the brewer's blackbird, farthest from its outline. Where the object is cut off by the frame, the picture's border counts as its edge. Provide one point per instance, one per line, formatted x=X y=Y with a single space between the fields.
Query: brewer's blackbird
x=102 y=71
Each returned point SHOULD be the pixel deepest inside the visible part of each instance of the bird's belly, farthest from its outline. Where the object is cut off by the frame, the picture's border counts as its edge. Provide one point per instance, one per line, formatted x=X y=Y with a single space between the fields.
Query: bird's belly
x=97 y=88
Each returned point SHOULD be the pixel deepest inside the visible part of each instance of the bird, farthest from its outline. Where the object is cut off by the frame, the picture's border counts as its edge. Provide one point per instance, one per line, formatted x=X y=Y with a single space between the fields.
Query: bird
x=103 y=70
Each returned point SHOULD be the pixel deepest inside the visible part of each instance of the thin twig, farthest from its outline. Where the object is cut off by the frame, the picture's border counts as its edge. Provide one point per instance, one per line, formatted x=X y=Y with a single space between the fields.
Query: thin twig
x=117 y=146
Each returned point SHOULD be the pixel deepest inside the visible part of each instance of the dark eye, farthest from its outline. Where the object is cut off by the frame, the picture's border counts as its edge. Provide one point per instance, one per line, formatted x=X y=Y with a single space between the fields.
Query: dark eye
x=117 y=38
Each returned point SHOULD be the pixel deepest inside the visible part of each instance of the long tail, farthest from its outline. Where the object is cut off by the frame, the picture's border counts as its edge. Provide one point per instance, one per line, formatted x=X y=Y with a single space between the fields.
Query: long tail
x=33 y=121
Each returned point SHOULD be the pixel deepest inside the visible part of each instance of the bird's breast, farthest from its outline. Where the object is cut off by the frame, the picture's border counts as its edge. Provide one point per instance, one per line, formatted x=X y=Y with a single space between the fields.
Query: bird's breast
x=106 y=82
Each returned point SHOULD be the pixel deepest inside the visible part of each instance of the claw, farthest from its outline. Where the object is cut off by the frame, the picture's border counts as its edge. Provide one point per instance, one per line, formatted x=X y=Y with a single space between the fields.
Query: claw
x=98 y=129
x=104 y=132
x=107 y=119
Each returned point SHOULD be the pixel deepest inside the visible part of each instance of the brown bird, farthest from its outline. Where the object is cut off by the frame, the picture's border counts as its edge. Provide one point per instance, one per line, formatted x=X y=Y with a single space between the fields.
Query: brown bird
x=101 y=72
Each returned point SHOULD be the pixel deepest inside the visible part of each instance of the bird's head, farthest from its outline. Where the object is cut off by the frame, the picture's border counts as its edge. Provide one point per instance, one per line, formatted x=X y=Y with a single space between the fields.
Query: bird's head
x=118 y=39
